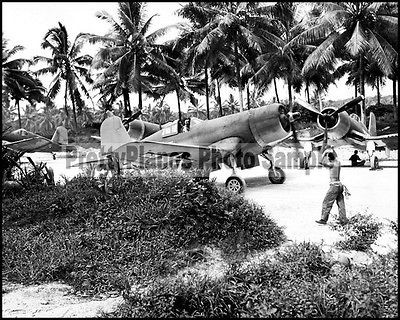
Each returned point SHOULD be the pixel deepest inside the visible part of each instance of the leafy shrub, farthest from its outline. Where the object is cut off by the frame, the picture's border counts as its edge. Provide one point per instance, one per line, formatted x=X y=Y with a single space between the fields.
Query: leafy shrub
x=143 y=230
x=360 y=233
x=271 y=289
x=394 y=226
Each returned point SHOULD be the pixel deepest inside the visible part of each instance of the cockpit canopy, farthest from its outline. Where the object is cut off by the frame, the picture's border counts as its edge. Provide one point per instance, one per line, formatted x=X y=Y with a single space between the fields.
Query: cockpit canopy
x=172 y=128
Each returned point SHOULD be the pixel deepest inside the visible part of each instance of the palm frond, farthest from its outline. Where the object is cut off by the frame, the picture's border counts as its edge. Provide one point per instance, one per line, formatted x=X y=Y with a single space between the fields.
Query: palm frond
x=14 y=50
x=104 y=15
x=323 y=54
x=311 y=35
x=358 y=41
x=37 y=59
x=252 y=40
x=390 y=19
x=127 y=22
x=383 y=53
x=83 y=88
x=54 y=87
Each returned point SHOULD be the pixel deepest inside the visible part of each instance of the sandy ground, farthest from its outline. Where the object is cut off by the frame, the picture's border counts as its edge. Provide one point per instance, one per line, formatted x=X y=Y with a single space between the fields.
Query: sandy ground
x=295 y=205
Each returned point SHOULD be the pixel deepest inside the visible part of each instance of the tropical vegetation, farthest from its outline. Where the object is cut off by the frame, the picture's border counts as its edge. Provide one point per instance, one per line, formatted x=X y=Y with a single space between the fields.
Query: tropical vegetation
x=245 y=47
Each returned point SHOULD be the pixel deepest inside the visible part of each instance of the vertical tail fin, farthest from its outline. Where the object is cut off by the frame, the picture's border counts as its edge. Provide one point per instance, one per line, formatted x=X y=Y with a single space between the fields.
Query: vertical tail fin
x=113 y=134
x=372 y=124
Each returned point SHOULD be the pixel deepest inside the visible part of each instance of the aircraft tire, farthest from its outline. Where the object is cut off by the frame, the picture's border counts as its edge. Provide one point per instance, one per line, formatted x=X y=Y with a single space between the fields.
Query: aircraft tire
x=234 y=184
x=277 y=177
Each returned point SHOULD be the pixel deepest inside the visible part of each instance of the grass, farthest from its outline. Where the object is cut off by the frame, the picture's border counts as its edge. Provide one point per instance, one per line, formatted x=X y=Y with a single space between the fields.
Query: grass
x=156 y=227
x=147 y=229
x=298 y=282
x=359 y=233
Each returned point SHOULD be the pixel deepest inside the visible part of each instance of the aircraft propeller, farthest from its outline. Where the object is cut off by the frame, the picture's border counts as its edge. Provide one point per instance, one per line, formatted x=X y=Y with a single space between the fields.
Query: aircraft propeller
x=293 y=116
x=131 y=118
x=329 y=116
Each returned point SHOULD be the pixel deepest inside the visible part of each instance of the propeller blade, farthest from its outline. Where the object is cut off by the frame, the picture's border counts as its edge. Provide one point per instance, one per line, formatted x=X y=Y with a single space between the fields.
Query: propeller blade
x=308 y=106
x=132 y=117
x=348 y=105
x=293 y=116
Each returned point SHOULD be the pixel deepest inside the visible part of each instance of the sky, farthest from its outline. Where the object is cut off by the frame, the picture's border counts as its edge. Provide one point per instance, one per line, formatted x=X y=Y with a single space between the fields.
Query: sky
x=25 y=23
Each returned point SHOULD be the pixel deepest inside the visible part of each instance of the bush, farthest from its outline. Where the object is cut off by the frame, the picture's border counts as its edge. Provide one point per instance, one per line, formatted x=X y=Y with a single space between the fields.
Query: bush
x=144 y=230
x=271 y=289
x=359 y=233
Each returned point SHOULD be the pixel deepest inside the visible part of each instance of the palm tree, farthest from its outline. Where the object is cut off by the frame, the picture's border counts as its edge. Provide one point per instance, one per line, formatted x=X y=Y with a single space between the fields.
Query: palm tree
x=30 y=120
x=282 y=57
x=129 y=49
x=47 y=119
x=375 y=78
x=231 y=106
x=231 y=23
x=20 y=84
x=196 y=109
x=320 y=77
x=203 y=52
x=68 y=66
x=355 y=28
x=161 y=114
x=168 y=75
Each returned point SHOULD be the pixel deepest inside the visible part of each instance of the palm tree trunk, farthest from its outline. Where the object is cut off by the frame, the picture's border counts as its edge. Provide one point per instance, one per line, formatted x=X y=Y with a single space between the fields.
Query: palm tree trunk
x=320 y=100
x=248 y=96
x=139 y=88
x=290 y=94
x=308 y=91
x=19 y=113
x=355 y=90
x=378 y=91
x=65 y=100
x=394 y=99
x=276 y=91
x=237 y=67
x=127 y=105
x=362 y=90
x=73 y=107
x=140 y=95
x=179 y=104
x=219 y=99
x=160 y=106
x=207 y=93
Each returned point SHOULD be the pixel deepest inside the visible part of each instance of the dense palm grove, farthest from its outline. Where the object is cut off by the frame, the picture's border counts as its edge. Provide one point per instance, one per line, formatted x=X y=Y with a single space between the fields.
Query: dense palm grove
x=246 y=46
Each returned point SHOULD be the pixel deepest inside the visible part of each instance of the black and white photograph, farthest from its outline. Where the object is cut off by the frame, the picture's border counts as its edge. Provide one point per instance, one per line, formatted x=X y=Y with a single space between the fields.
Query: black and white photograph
x=199 y=159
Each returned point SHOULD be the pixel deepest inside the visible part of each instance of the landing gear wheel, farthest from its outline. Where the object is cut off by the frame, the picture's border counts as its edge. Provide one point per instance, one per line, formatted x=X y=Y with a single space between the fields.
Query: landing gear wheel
x=276 y=176
x=234 y=184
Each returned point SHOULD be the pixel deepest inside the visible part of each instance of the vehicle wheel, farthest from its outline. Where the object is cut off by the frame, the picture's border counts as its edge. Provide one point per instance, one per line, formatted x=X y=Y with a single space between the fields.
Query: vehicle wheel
x=276 y=176
x=234 y=184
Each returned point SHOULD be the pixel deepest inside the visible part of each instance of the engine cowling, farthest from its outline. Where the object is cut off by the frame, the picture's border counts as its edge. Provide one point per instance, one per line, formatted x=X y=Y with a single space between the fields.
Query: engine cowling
x=139 y=129
x=338 y=125
x=269 y=124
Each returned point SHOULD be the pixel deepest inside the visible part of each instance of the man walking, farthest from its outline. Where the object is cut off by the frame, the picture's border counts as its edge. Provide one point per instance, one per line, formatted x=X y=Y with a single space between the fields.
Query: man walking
x=335 y=192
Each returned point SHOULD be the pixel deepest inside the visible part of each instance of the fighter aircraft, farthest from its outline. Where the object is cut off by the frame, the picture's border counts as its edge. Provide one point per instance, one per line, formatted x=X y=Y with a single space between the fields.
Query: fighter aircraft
x=342 y=128
x=234 y=140
x=25 y=141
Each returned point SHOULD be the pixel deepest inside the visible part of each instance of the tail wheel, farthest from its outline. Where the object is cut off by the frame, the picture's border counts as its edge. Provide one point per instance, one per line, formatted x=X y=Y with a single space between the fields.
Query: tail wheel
x=276 y=176
x=234 y=184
